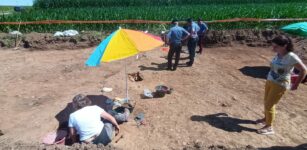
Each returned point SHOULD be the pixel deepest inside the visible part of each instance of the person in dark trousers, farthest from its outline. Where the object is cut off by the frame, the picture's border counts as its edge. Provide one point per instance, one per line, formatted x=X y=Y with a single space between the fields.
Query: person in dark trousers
x=201 y=34
x=193 y=29
x=175 y=37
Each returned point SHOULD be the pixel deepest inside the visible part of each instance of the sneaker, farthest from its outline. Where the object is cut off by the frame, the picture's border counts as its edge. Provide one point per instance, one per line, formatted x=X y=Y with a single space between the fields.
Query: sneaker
x=267 y=130
x=260 y=122
x=189 y=64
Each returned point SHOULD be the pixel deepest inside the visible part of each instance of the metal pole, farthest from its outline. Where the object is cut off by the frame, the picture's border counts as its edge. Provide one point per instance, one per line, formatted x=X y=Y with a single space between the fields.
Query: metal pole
x=127 y=95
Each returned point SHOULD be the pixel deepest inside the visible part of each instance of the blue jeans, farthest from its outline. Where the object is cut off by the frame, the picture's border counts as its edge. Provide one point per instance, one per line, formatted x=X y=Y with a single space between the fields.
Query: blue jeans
x=106 y=135
x=108 y=131
x=192 y=43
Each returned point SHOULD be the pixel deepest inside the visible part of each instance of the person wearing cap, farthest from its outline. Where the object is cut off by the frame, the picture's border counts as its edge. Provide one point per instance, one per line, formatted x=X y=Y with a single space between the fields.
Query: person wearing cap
x=193 y=29
x=86 y=122
x=175 y=37
x=201 y=34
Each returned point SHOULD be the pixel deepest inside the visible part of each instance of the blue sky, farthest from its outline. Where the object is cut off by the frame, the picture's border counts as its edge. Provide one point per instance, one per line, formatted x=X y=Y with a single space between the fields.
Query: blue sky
x=16 y=2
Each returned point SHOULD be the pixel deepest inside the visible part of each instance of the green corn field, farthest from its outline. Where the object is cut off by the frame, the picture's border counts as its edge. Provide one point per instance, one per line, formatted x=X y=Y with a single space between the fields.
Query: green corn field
x=116 y=3
x=222 y=9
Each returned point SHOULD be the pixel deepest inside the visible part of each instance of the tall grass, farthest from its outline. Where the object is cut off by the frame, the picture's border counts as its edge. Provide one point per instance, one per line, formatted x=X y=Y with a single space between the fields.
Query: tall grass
x=166 y=13
x=112 y=3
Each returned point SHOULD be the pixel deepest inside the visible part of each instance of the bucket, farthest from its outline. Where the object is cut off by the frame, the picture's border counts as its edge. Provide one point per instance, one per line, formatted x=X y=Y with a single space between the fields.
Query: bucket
x=294 y=77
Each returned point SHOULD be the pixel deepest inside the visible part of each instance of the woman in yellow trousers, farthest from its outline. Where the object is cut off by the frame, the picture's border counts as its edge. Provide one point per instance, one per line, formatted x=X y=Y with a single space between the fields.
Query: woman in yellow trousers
x=278 y=80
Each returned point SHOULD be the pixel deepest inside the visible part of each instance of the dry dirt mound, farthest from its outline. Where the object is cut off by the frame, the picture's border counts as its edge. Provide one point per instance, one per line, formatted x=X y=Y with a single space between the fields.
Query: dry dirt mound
x=253 y=38
x=46 y=41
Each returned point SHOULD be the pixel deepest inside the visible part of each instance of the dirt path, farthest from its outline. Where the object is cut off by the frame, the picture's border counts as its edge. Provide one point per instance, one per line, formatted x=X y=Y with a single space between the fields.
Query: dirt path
x=35 y=86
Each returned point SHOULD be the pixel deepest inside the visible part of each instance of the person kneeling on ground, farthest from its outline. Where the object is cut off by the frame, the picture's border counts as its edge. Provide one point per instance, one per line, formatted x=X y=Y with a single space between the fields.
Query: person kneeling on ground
x=86 y=121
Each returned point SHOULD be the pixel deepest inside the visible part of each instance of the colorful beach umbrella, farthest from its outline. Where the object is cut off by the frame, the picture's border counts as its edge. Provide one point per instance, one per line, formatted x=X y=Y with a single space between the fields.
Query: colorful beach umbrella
x=296 y=29
x=121 y=44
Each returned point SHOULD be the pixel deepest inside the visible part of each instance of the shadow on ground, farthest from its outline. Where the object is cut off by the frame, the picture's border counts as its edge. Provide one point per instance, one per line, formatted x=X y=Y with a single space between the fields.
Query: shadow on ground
x=255 y=71
x=181 y=58
x=299 y=147
x=158 y=67
x=224 y=122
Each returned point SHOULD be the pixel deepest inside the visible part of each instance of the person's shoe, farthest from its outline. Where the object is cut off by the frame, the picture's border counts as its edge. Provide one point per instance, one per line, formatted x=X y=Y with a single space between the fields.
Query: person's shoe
x=260 y=122
x=189 y=64
x=266 y=130
x=168 y=68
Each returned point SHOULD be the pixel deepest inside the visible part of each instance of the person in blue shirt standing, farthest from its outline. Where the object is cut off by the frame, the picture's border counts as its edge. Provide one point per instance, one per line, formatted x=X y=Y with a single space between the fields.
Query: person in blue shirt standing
x=175 y=37
x=193 y=29
x=201 y=34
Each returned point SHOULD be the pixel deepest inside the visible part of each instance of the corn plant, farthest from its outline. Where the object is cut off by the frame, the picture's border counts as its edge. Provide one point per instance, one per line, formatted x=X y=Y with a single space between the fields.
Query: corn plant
x=163 y=13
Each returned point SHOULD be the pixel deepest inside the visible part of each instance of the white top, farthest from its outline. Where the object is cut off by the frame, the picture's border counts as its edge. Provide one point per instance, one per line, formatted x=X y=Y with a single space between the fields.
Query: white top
x=281 y=69
x=87 y=121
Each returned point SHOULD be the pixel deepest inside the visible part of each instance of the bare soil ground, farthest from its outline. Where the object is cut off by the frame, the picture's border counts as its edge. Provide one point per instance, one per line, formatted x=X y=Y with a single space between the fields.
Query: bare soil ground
x=211 y=107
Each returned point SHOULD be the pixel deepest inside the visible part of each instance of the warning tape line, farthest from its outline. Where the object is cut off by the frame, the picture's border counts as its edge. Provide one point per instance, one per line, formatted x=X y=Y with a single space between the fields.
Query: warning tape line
x=145 y=21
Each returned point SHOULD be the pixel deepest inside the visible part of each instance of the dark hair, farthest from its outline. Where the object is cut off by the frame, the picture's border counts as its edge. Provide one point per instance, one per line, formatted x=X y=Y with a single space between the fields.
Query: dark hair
x=190 y=20
x=80 y=101
x=199 y=19
x=283 y=40
x=174 y=20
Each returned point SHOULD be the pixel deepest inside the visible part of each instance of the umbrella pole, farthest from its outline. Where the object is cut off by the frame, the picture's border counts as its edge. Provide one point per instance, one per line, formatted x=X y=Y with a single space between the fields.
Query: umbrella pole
x=127 y=95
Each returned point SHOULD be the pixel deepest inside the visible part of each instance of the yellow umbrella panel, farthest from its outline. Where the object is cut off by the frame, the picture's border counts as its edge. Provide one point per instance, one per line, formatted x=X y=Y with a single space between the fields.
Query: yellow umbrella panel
x=121 y=44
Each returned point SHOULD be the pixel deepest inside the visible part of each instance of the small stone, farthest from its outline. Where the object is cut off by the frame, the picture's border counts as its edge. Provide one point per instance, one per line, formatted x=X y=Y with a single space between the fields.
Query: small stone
x=234 y=98
x=1 y=133
x=224 y=105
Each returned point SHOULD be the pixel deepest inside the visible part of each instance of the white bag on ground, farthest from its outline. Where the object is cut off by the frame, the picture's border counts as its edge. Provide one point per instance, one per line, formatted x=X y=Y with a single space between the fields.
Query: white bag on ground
x=70 y=33
x=15 y=33
x=66 y=33
x=58 y=33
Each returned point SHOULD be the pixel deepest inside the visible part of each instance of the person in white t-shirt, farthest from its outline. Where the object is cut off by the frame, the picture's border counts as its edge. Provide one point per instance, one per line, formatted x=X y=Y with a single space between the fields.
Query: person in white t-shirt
x=86 y=121
x=278 y=80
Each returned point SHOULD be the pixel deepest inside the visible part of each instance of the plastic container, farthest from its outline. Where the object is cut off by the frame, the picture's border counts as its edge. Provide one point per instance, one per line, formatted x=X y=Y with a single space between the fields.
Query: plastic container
x=294 y=77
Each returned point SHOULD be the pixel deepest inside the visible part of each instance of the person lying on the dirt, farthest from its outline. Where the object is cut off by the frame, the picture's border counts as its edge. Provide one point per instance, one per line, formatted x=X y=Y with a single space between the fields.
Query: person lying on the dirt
x=278 y=80
x=86 y=121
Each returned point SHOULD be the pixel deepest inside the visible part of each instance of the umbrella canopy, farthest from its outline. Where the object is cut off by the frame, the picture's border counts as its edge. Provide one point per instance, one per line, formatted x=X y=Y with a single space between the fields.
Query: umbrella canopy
x=296 y=29
x=121 y=44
